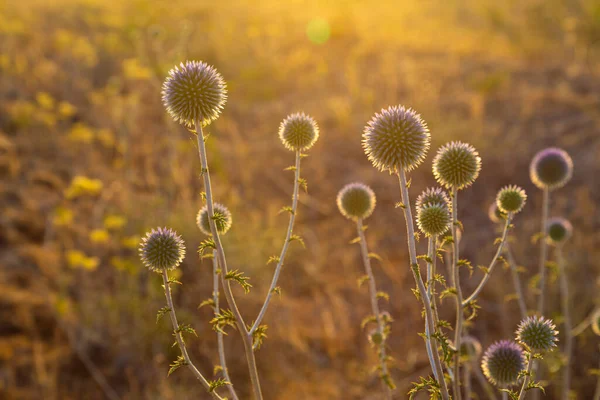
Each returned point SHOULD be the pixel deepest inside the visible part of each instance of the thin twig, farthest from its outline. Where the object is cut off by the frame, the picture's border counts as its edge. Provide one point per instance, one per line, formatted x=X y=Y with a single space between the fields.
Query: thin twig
x=430 y=284
x=516 y=280
x=490 y=269
x=375 y=308
x=566 y=311
x=220 y=344
x=455 y=281
x=436 y=365
x=543 y=251
x=239 y=321
x=284 y=250
x=179 y=337
x=527 y=376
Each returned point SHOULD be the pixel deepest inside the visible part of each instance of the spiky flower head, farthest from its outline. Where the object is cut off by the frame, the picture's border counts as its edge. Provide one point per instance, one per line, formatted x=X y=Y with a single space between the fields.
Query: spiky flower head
x=432 y=196
x=356 y=200
x=511 y=199
x=396 y=138
x=433 y=219
x=559 y=230
x=298 y=132
x=222 y=218
x=470 y=348
x=162 y=248
x=194 y=91
x=596 y=322
x=456 y=164
x=551 y=168
x=495 y=214
x=502 y=363
x=537 y=333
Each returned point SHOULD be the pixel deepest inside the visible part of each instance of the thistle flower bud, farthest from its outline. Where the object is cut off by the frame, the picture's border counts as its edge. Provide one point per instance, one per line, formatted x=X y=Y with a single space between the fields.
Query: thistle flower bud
x=222 y=218
x=194 y=91
x=495 y=214
x=511 y=199
x=432 y=196
x=456 y=164
x=162 y=248
x=298 y=132
x=596 y=322
x=537 y=333
x=356 y=201
x=502 y=363
x=396 y=138
x=551 y=168
x=470 y=348
x=433 y=219
x=559 y=230
x=375 y=338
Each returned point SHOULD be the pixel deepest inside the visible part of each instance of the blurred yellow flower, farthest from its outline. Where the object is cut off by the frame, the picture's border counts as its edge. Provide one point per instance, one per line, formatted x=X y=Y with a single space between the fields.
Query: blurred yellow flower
x=81 y=185
x=106 y=137
x=133 y=69
x=62 y=216
x=45 y=100
x=131 y=242
x=66 y=109
x=99 y=236
x=122 y=264
x=77 y=259
x=114 y=222
x=81 y=133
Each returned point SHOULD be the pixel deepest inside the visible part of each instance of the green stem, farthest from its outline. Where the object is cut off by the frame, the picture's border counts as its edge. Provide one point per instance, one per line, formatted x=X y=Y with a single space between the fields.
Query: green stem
x=220 y=344
x=436 y=365
x=239 y=321
x=179 y=338
x=516 y=280
x=530 y=363
x=284 y=250
x=455 y=281
x=566 y=311
x=430 y=285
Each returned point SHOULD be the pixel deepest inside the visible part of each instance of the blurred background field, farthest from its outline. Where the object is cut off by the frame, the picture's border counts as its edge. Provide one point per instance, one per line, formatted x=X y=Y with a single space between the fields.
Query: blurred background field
x=89 y=161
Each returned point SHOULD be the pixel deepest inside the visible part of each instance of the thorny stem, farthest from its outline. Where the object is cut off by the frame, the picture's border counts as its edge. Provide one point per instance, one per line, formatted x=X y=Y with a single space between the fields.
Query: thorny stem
x=220 y=344
x=436 y=365
x=430 y=283
x=566 y=311
x=516 y=280
x=490 y=269
x=239 y=321
x=284 y=250
x=375 y=308
x=527 y=376
x=455 y=281
x=543 y=251
x=179 y=337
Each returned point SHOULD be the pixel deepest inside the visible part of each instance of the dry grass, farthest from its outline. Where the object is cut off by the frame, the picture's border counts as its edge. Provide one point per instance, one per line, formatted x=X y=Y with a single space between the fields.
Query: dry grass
x=79 y=96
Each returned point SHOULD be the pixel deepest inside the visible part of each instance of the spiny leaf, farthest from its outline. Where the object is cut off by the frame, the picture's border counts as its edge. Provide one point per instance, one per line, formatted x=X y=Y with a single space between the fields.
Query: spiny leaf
x=223 y=319
x=217 y=369
x=259 y=335
x=180 y=362
x=208 y=302
x=298 y=238
x=368 y=320
x=383 y=295
x=400 y=205
x=239 y=278
x=387 y=380
x=286 y=209
x=277 y=290
x=161 y=313
x=426 y=384
x=425 y=258
x=448 y=292
x=375 y=256
x=355 y=240
x=217 y=383
x=185 y=328
x=273 y=259
x=207 y=244
x=173 y=280
x=290 y=168
x=303 y=184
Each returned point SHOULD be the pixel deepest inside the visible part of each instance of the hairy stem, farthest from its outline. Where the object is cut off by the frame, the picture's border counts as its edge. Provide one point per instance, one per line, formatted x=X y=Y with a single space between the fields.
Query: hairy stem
x=436 y=365
x=566 y=311
x=240 y=324
x=490 y=269
x=455 y=281
x=284 y=249
x=430 y=284
x=543 y=251
x=179 y=337
x=220 y=344
x=527 y=376
x=516 y=280
x=385 y=376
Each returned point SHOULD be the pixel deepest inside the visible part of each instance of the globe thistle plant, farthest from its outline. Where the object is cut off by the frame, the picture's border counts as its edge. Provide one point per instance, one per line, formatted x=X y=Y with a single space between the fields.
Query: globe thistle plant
x=502 y=363
x=456 y=164
x=194 y=92
x=433 y=219
x=222 y=218
x=298 y=132
x=396 y=138
x=559 y=231
x=356 y=201
x=432 y=196
x=537 y=333
x=551 y=168
x=161 y=249
x=511 y=199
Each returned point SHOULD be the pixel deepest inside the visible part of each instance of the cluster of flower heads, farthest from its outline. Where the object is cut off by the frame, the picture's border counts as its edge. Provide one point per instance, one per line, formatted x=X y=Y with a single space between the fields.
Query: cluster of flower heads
x=356 y=201
x=504 y=362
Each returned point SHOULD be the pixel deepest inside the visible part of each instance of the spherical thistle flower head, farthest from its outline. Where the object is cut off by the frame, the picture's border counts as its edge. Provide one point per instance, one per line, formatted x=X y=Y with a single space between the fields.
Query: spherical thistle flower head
x=433 y=196
x=162 y=248
x=396 y=138
x=356 y=201
x=551 y=168
x=511 y=199
x=559 y=230
x=495 y=214
x=537 y=333
x=470 y=348
x=502 y=363
x=456 y=164
x=222 y=218
x=433 y=219
x=298 y=132
x=194 y=91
